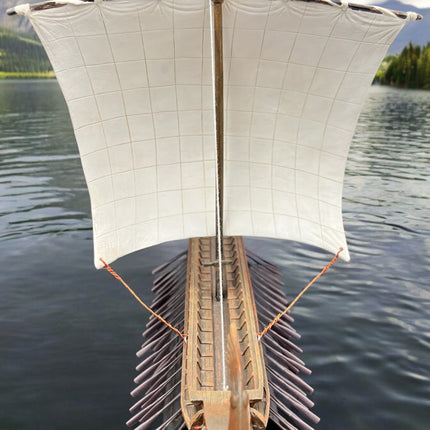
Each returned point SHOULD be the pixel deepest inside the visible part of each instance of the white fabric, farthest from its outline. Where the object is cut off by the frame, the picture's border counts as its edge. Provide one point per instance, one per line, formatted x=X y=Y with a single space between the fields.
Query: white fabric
x=22 y=9
x=136 y=75
x=413 y=16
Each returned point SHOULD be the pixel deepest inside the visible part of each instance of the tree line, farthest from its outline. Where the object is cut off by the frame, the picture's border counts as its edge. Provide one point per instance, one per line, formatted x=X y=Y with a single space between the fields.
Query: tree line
x=19 y=54
x=409 y=69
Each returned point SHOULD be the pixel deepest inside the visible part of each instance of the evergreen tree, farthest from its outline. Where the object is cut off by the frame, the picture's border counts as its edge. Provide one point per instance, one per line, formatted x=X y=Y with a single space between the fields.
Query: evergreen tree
x=410 y=69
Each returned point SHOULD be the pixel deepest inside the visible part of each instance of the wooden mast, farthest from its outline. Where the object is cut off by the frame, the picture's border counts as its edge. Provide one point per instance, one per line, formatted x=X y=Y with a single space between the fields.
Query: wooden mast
x=218 y=87
x=206 y=398
x=218 y=76
x=219 y=100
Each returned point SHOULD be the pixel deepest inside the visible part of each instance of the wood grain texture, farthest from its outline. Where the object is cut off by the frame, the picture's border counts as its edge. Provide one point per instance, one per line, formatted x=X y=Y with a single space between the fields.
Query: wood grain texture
x=201 y=356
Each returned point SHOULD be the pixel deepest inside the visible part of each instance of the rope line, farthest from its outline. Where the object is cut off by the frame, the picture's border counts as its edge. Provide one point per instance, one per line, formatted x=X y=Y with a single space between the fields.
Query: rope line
x=116 y=276
x=279 y=316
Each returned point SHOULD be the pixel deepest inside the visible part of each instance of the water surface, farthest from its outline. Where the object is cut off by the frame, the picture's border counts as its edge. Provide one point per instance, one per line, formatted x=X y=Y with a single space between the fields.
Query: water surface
x=68 y=333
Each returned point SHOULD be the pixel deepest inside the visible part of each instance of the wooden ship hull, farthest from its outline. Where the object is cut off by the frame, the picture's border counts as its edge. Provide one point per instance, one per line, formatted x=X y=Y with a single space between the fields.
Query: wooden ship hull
x=188 y=384
x=204 y=370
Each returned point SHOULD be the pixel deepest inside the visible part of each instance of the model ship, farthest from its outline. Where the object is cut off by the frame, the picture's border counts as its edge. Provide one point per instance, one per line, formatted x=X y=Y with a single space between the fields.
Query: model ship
x=212 y=120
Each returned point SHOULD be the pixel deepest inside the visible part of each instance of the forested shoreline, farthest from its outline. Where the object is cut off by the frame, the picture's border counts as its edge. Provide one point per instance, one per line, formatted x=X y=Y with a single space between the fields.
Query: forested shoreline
x=22 y=57
x=409 y=69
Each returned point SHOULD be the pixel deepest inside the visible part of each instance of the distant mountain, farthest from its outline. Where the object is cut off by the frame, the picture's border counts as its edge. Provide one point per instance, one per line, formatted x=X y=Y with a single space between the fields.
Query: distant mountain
x=417 y=32
x=19 y=24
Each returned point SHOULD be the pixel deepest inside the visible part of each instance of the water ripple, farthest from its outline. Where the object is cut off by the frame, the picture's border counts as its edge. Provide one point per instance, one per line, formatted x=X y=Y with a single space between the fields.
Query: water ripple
x=365 y=325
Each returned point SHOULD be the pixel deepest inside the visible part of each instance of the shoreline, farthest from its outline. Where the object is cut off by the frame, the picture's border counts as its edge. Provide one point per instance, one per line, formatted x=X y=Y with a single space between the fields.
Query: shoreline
x=27 y=75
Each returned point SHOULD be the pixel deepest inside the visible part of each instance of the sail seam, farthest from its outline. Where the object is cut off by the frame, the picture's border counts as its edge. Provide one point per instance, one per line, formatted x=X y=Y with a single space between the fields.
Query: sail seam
x=106 y=147
x=284 y=77
x=320 y=149
x=99 y=4
x=152 y=122
x=177 y=116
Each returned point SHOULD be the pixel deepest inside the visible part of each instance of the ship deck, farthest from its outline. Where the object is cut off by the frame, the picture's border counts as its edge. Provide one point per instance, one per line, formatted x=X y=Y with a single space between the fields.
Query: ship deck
x=205 y=377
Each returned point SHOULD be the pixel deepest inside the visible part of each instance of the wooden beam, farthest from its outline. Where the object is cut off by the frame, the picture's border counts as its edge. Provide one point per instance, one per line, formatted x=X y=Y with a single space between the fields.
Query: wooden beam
x=365 y=8
x=219 y=111
x=43 y=6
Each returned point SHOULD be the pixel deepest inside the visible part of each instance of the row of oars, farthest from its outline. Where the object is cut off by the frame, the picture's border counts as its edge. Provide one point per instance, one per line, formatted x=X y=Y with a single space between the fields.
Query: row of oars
x=158 y=383
x=159 y=380
x=289 y=404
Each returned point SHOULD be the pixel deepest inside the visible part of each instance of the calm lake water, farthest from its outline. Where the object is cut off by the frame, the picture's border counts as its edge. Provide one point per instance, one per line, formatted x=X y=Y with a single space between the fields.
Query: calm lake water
x=68 y=333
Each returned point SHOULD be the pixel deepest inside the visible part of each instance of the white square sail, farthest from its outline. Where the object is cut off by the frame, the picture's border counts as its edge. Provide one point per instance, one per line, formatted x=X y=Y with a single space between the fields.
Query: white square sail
x=137 y=78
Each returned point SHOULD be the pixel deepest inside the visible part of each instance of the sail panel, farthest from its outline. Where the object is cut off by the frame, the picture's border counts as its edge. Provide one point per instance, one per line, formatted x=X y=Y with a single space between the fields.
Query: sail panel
x=297 y=74
x=137 y=78
x=139 y=92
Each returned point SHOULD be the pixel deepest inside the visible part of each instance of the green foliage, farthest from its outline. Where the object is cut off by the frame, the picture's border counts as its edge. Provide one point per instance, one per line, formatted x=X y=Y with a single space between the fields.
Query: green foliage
x=410 y=69
x=27 y=75
x=22 y=56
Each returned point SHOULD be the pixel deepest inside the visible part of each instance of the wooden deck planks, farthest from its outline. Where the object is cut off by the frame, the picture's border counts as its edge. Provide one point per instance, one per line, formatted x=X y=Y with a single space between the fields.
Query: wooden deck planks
x=202 y=361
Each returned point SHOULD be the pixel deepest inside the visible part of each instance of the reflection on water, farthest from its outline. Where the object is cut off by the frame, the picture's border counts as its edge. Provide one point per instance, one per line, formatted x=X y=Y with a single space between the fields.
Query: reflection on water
x=68 y=333
x=41 y=182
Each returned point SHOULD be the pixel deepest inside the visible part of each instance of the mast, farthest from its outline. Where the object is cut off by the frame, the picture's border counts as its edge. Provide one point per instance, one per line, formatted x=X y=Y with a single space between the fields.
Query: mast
x=218 y=88
x=218 y=77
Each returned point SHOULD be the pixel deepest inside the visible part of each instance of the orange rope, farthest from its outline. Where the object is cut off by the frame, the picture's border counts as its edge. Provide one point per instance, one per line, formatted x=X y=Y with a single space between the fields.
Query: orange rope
x=116 y=276
x=279 y=316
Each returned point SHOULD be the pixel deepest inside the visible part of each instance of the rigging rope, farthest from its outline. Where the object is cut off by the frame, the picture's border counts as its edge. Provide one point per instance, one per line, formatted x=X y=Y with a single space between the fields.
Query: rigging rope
x=279 y=316
x=116 y=276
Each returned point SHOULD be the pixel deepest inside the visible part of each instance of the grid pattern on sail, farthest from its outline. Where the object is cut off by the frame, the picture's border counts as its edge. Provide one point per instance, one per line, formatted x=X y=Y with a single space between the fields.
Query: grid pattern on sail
x=136 y=76
x=296 y=75
x=139 y=92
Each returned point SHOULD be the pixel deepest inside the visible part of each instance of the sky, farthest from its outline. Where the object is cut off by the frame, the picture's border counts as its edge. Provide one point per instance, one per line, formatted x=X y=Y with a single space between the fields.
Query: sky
x=419 y=4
